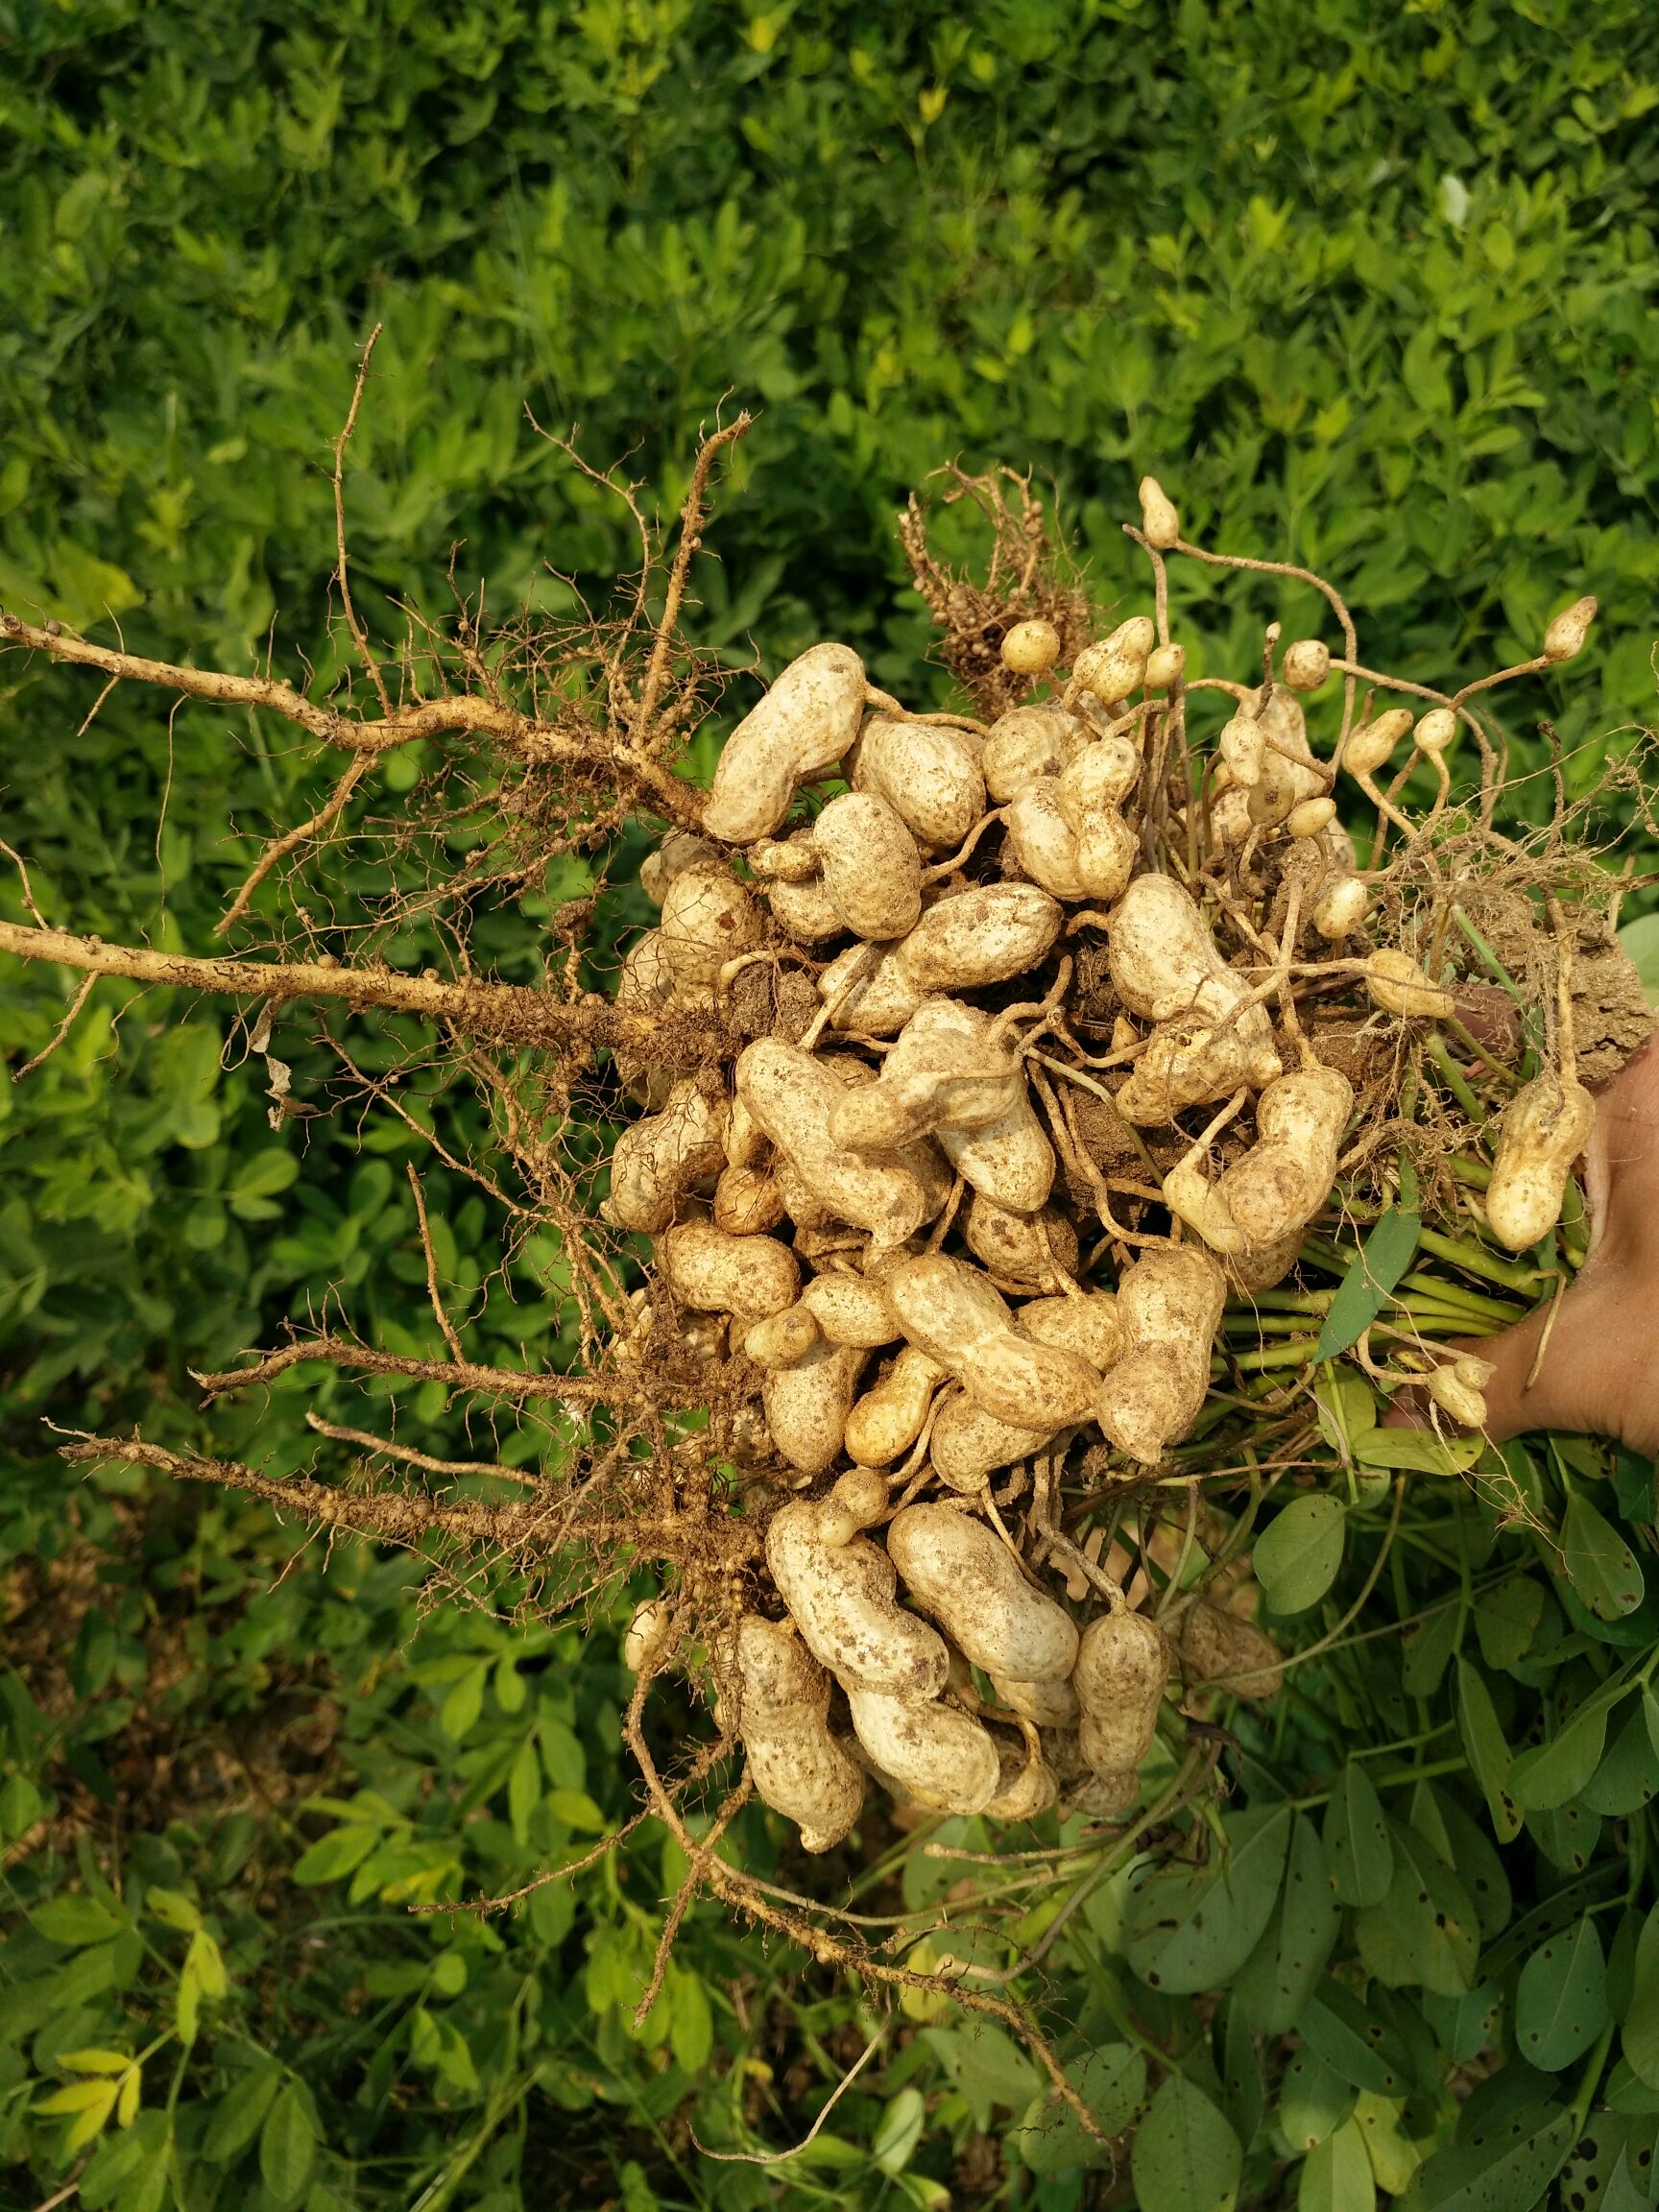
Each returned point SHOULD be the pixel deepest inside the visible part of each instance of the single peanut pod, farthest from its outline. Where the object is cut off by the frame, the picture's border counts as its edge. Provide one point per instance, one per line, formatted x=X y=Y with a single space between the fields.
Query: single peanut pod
x=713 y=1273
x=887 y=1420
x=805 y=912
x=1088 y=1326
x=872 y=869
x=1166 y=667
x=1160 y=524
x=1025 y=1787
x=1030 y=648
x=1458 y=1386
x=957 y=1318
x=792 y=859
x=856 y=1498
x=1106 y=851
x=1399 y=986
x=1306 y=664
x=1027 y=741
x=1104 y=1796
x=748 y=1202
x=1114 y=668
x=1309 y=816
x=646 y=1631
x=1122 y=1666
x=1340 y=907
x=850 y=1309
x=1184 y=1066
x=1546 y=1126
x=800 y=1768
x=1040 y=839
x=1265 y=1269
x=1189 y=1193
x=987 y=934
x=645 y=985
x=661 y=1157
x=746 y=1143
x=1434 y=731
x=1036 y=1249
x=929 y=776
x=1047 y=1705
x=841 y=1598
x=939 y=1758
x=1244 y=746
x=1285 y=1178
x=782 y=1339
x=800 y=730
x=679 y=851
x=1218 y=1648
x=791 y=1096
x=1009 y=1161
x=968 y=1444
x=875 y=996
x=963 y=1577
x=1099 y=776
x=708 y=919
x=946 y=1069
x=1169 y=1308
x=1369 y=746
x=1567 y=632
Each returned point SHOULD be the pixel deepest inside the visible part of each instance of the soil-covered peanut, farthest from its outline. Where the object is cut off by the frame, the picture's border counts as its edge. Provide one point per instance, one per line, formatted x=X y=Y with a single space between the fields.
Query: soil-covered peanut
x=799 y=1770
x=941 y=1759
x=841 y=1598
x=1122 y=1666
x=964 y=1577
x=801 y=728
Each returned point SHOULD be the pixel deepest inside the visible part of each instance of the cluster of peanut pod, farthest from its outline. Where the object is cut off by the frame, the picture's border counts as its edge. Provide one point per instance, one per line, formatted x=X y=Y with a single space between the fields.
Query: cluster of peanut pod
x=874 y=1213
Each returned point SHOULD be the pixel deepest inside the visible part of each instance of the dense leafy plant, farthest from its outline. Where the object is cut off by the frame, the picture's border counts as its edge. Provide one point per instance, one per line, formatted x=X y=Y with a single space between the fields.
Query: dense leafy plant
x=1382 y=295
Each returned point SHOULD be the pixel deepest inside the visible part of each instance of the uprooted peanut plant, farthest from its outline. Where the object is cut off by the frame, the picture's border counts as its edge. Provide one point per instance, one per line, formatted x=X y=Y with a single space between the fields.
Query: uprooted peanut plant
x=952 y=1183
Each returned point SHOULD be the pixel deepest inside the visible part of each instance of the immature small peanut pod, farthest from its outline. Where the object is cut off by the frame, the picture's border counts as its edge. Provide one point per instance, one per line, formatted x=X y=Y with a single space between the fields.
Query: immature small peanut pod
x=800 y=730
x=1166 y=667
x=1546 y=1126
x=1458 y=1386
x=1026 y=1785
x=1309 y=817
x=713 y=1273
x=841 y=1598
x=1340 y=907
x=859 y=1498
x=1243 y=745
x=782 y=1339
x=1434 y=731
x=1169 y=1306
x=1027 y=741
x=1122 y=1666
x=649 y=1625
x=1567 y=632
x=1088 y=1326
x=747 y=1202
x=887 y=1420
x=939 y=1758
x=1398 y=985
x=1159 y=521
x=1031 y=648
x=963 y=1576
x=799 y=1768
x=1306 y=664
x=1113 y=668
x=872 y=869
x=1217 y=1646
x=1369 y=746
x=928 y=775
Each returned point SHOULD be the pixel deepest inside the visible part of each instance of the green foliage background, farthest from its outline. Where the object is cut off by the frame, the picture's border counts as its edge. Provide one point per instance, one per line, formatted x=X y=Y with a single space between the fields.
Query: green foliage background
x=1371 y=289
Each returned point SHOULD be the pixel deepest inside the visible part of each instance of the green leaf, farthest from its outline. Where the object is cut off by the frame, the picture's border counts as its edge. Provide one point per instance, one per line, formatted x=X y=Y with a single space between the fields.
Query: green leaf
x=1353 y=2042
x=75 y=1920
x=1372 y=1276
x=1507 y=1620
x=1429 y=1649
x=1601 y=1565
x=1188 y=1932
x=523 y=1790
x=1313 y=2101
x=1505 y=2167
x=692 y=2029
x=174 y=1908
x=1418 y=1451
x=1112 y=2081
x=1561 y=2000
x=1641 y=942
x=461 y=1709
x=288 y=2145
x=899 y=2130
x=1486 y=1750
x=1552 y=1773
x=336 y=1854
x=1276 y=1981
x=1336 y=2173
x=1298 y=1557
x=1427 y=1930
x=1356 y=1848
x=1629 y=1776
x=1186 y=2158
